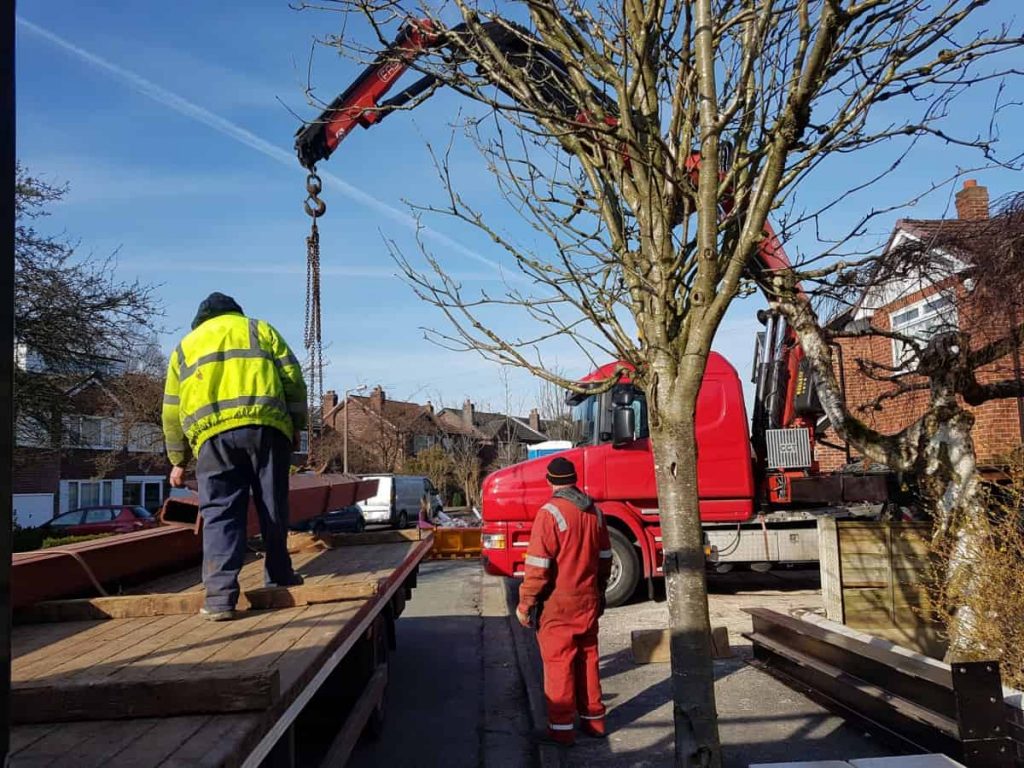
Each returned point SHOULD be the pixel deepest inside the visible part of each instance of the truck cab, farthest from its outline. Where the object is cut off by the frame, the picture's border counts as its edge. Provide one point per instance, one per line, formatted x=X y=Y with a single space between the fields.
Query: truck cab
x=619 y=475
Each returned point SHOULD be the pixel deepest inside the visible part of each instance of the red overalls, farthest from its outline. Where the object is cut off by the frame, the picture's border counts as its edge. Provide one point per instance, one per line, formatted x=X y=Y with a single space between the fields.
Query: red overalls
x=567 y=567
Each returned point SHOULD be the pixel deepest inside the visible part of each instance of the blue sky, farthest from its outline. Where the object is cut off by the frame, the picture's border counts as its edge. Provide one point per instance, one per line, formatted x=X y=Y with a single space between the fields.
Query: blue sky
x=171 y=123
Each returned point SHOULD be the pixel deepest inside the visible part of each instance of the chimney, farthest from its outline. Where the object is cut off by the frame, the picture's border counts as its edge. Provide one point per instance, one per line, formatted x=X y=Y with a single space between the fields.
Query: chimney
x=534 y=420
x=377 y=399
x=429 y=407
x=972 y=202
x=329 y=404
x=467 y=413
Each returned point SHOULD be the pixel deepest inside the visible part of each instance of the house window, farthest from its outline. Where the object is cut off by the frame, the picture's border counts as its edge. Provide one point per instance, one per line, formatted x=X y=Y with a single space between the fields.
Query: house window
x=89 y=432
x=89 y=493
x=145 y=438
x=920 y=321
x=303 y=442
x=144 y=491
x=422 y=442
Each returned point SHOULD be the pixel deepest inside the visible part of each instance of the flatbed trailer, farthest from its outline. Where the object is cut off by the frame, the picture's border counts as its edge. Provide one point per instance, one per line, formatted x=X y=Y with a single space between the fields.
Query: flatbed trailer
x=293 y=683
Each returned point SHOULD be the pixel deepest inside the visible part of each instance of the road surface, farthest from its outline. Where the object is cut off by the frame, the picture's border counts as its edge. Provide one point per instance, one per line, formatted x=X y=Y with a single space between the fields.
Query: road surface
x=455 y=698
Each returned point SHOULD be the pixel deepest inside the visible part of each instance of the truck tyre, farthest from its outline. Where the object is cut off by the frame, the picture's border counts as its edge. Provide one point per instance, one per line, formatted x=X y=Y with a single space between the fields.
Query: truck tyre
x=403 y=520
x=625 y=570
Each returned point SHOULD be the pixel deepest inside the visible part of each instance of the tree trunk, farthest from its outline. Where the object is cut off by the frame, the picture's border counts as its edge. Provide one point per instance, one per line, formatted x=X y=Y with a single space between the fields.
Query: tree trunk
x=673 y=438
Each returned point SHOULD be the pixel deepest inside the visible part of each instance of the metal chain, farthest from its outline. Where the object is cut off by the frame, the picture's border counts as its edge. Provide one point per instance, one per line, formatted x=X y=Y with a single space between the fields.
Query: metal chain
x=315 y=208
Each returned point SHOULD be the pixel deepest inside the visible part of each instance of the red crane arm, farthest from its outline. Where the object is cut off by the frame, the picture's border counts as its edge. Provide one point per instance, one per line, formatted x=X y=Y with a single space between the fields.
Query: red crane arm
x=361 y=104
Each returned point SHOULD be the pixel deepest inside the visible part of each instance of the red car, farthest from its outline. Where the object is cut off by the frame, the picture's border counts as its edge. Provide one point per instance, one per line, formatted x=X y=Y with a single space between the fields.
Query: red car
x=102 y=519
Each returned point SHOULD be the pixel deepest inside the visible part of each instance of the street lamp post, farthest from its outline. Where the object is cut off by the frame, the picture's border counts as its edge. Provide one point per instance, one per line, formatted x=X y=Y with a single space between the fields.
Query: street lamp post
x=348 y=392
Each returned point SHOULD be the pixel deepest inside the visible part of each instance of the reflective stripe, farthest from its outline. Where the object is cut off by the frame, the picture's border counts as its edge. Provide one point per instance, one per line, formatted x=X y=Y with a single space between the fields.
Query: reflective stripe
x=559 y=727
x=600 y=516
x=254 y=333
x=181 y=359
x=175 y=446
x=557 y=514
x=605 y=554
x=220 y=357
x=288 y=359
x=235 y=402
x=171 y=399
x=539 y=562
x=592 y=717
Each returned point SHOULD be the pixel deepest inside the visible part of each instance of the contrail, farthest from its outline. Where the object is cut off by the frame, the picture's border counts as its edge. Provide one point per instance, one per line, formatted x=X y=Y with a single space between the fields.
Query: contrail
x=234 y=131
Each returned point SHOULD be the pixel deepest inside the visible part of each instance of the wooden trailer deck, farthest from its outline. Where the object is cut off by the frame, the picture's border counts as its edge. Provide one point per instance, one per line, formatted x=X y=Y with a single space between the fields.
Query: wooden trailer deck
x=234 y=687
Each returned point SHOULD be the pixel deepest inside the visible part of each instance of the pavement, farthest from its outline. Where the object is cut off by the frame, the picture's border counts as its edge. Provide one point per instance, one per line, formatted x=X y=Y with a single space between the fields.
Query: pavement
x=465 y=683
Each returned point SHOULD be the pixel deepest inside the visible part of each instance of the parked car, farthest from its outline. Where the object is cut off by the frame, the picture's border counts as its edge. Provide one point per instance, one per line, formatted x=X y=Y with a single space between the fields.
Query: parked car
x=103 y=519
x=345 y=520
x=399 y=498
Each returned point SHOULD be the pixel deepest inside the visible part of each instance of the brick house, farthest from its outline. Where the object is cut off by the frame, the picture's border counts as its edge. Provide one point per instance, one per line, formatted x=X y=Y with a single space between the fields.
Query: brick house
x=382 y=432
x=504 y=439
x=920 y=305
x=91 y=453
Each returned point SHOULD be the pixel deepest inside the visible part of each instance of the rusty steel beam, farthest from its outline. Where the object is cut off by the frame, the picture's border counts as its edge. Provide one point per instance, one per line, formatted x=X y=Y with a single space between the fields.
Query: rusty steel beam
x=309 y=496
x=74 y=570
x=48 y=574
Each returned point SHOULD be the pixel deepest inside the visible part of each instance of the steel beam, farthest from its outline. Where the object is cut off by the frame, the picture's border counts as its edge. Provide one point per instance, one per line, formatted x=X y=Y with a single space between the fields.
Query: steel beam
x=922 y=707
x=72 y=571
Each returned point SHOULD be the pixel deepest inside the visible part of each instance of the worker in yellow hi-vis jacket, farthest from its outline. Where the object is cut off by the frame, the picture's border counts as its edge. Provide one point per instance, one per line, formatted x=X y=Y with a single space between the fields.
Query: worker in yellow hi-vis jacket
x=236 y=398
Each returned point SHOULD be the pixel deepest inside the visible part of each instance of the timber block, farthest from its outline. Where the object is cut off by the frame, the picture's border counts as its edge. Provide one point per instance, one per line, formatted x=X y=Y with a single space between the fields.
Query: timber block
x=652 y=645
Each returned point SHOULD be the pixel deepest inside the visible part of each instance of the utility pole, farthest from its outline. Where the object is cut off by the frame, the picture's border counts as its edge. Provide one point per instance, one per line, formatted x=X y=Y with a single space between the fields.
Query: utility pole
x=7 y=175
x=344 y=449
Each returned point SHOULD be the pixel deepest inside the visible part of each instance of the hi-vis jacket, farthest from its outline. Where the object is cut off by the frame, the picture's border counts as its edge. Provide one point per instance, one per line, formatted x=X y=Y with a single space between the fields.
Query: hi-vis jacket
x=569 y=558
x=231 y=371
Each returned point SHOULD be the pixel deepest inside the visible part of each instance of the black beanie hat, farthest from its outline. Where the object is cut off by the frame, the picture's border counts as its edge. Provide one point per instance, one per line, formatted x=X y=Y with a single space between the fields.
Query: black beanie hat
x=213 y=305
x=561 y=472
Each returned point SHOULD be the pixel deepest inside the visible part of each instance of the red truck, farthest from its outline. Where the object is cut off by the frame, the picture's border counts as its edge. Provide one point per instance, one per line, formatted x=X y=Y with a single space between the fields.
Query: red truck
x=760 y=488
x=756 y=509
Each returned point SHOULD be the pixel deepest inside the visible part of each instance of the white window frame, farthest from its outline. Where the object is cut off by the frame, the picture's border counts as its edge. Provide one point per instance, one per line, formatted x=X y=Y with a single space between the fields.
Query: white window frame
x=108 y=437
x=69 y=488
x=145 y=480
x=926 y=313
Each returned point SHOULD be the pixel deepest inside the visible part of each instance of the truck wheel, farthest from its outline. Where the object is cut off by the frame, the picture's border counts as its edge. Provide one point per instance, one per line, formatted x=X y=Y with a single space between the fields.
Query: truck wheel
x=625 y=570
x=403 y=520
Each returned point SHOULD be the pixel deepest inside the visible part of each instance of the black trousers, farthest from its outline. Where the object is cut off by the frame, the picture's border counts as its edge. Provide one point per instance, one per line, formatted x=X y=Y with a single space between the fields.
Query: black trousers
x=229 y=466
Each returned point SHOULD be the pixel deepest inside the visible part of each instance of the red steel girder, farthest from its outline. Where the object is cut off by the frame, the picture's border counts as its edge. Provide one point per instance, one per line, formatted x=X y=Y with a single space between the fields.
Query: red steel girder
x=49 y=574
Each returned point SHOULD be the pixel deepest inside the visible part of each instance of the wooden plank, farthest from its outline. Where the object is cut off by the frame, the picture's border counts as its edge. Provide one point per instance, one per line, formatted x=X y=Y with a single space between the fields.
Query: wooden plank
x=42 y=702
x=343 y=744
x=311 y=594
x=181 y=603
x=216 y=743
x=831 y=573
x=158 y=743
x=121 y=607
x=401 y=536
x=653 y=645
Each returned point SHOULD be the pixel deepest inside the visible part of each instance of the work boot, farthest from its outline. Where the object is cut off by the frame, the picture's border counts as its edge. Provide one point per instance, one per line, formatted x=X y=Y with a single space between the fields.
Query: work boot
x=555 y=738
x=593 y=727
x=292 y=581
x=214 y=614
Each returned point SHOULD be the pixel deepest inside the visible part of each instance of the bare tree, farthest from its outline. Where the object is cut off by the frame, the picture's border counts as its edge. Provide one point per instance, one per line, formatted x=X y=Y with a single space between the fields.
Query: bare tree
x=554 y=412
x=944 y=370
x=464 y=451
x=73 y=316
x=646 y=143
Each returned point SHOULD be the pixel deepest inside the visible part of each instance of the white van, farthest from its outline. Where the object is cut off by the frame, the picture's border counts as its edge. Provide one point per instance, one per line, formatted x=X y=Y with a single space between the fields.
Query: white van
x=398 y=500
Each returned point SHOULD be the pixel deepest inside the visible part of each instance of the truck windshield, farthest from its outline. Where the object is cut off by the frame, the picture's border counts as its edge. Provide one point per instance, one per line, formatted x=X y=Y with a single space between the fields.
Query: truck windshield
x=584 y=420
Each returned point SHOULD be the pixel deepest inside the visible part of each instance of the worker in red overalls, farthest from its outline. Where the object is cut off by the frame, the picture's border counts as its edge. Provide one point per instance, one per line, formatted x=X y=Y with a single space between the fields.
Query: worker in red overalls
x=568 y=563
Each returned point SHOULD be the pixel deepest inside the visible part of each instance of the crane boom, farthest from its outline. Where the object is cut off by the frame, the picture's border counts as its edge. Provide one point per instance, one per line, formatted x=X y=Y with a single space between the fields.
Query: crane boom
x=782 y=378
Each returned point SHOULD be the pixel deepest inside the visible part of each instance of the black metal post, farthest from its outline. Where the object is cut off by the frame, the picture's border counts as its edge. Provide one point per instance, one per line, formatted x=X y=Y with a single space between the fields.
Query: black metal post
x=981 y=715
x=7 y=175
